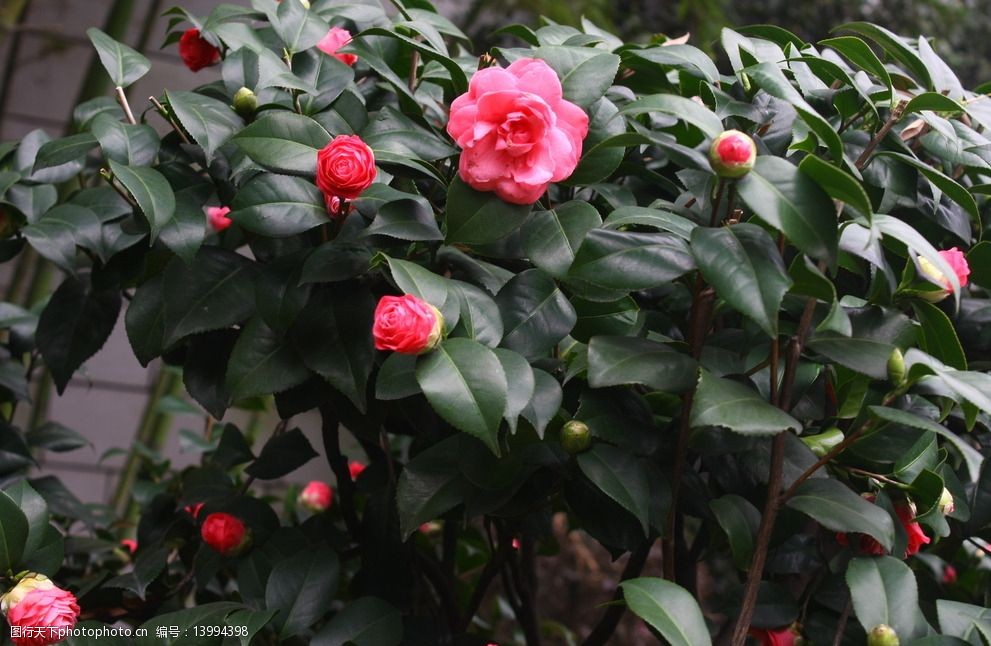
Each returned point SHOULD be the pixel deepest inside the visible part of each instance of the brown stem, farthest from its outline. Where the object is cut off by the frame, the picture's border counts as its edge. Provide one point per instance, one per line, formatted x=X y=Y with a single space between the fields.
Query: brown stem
x=774 y=499
x=168 y=117
x=841 y=624
x=714 y=218
x=330 y=429
x=896 y=114
x=614 y=612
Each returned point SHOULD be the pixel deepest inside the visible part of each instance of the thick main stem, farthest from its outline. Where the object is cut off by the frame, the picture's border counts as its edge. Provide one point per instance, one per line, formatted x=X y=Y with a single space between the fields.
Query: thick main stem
x=610 y=618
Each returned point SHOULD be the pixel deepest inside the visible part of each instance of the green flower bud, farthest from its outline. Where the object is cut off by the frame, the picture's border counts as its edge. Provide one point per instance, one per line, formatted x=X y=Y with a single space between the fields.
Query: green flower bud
x=575 y=437
x=823 y=442
x=896 y=367
x=882 y=635
x=245 y=102
x=732 y=154
x=946 y=505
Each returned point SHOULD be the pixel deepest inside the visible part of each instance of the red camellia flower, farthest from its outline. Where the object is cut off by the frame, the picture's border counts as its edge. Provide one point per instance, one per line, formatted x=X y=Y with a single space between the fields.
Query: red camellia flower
x=316 y=496
x=333 y=41
x=37 y=603
x=196 y=51
x=345 y=167
x=130 y=545
x=407 y=324
x=193 y=510
x=225 y=533
x=776 y=637
x=217 y=217
x=916 y=536
x=732 y=154
x=355 y=468
x=949 y=575
x=517 y=132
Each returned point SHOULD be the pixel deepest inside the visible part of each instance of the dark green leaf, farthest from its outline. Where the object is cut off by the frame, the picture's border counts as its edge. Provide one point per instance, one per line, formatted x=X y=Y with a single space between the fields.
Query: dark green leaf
x=134 y=145
x=53 y=436
x=721 y=402
x=474 y=217
x=551 y=238
x=284 y=142
x=837 y=508
x=626 y=261
x=620 y=475
x=464 y=382
x=781 y=195
x=75 y=324
x=301 y=588
x=681 y=107
x=13 y=534
x=883 y=591
x=669 y=609
x=279 y=206
x=62 y=151
x=150 y=190
x=838 y=183
x=617 y=360
x=123 y=64
x=740 y=520
x=744 y=266
x=281 y=455
x=431 y=485
x=367 y=621
x=535 y=313
x=263 y=362
x=208 y=121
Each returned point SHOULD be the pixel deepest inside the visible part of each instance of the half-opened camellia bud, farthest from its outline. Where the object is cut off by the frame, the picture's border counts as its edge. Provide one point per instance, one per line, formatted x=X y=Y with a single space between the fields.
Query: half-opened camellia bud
x=946 y=505
x=245 y=102
x=896 y=367
x=882 y=635
x=316 y=496
x=407 y=324
x=957 y=262
x=575 y=436
x=732 y=154
x=44 y=611
x=226 y=534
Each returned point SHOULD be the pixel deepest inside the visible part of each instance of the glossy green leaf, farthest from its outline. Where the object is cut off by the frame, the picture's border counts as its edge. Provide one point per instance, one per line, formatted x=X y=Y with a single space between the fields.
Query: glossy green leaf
x=464 y=382
x=279 y=206
x=834 y=506
x=431 y=484
x=367 y=621
x=123 y=64
x=721 y=402
x=551 y=238
x=895 y=47
x=133 y=145
x=13 y=533
x=282 y=454
x=284 y=142
x=626 y=261
x=61 y=151
x=263 y=362
x=744 y=266
x=839 y=184
x=883 y=591
x=616 y=360
x=669 y=609
x=620 y=475
x=301 y=588
x=740 y=520
x=211 y=123
x=781 y=195
x=474 y=217
x=150 y=190
x=536 y=315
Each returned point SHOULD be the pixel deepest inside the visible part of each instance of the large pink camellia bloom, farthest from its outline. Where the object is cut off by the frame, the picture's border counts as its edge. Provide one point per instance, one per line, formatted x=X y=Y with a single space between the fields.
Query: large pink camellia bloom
x=516 y=131
x=40 y=610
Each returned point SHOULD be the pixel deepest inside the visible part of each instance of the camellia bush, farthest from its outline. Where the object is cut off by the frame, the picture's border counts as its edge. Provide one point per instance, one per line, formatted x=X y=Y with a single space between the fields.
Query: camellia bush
x=732 y=314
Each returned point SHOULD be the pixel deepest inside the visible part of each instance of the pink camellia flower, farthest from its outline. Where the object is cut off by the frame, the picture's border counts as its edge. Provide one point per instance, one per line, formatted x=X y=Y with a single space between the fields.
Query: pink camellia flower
x=37 y=603
x=316 y=496
x=217 y=217
x=949 y=575
x=407 y=324
x=777 y=637
x=345 y=167
x=355 y=468
x=517 y=132
x=333 y=41
x=225 y=533
x=196 y=51
x=957 y=262
x=130 y=545
x=732 y=154
x=906 y=514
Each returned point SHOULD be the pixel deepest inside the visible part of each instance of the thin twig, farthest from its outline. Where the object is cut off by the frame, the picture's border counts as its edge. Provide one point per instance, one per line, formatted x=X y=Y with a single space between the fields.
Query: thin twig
x=168 y=117
x=896 y=114
x=841 y=624
x=122 y=100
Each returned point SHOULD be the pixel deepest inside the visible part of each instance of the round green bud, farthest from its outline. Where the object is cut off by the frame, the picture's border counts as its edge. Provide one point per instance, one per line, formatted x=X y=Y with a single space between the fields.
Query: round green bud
x=575 y=437
x=732 y=154
x=882 y=635
x=896 y=367
x=245 y=102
